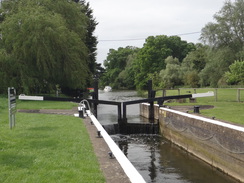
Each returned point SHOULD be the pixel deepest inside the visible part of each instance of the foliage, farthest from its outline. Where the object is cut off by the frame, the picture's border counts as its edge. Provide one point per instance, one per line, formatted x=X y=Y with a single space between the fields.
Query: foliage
x=196 y=59
x=236 y=73
x=226 y=40
x=151 y=58
x=216 y=65
x=171 y=75
x=90 y=40
x=191 y=79
x=46 y=44
x=228 y=29
x=126 y=77
x=117 y=61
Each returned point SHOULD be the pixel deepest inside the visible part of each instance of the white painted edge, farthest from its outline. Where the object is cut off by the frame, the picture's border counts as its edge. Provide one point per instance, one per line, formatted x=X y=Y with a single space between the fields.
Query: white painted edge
x=207 y=94
x=129 y=169
x=216 y=122
x=26 y=97
x=146 y=104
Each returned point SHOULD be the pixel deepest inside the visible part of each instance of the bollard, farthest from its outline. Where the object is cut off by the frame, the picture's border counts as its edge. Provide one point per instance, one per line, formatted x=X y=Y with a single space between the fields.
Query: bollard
x=81 y=110
x=111 y=156
x=99 y=134
x=196 y=109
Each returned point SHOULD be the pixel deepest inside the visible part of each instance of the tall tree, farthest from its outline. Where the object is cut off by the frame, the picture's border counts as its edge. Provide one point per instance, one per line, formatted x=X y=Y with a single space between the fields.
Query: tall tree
x=91 y=39
x=116 y=63
x=151 y=58
x=226 y=38
x=46 y=39
x=228 y=31
x=236 y=73
x=172 y=75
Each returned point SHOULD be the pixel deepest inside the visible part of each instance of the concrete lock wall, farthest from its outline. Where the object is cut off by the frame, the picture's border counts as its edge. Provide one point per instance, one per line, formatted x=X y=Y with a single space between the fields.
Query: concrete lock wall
x=217 y=143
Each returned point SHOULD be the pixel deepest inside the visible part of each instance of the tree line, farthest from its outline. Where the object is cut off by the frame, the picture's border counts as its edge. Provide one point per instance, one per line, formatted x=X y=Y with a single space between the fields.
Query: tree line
x=171 y=62
x=46 y=45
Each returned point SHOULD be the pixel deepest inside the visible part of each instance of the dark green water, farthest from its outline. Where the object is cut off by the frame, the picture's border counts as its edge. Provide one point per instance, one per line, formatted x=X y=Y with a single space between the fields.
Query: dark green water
x=157 y=159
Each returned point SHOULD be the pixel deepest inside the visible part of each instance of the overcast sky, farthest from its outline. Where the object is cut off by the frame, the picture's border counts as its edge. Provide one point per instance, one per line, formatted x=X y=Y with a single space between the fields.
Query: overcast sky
x=129 y=22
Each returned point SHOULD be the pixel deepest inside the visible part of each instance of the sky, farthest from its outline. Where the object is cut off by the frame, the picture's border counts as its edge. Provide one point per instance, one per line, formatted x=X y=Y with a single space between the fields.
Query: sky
x=129 y=22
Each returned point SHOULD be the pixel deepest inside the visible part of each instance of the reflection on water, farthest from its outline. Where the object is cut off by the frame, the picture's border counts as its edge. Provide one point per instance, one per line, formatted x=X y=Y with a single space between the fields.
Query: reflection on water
x=108 y=114
x=157 y=159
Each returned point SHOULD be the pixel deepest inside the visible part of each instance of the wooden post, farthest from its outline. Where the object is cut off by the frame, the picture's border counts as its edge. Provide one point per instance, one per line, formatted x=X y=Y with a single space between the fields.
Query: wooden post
x=216 y=94
x=151 y=94
x=124 y=114
x=238 y=95
x=123 y=123
x=119 y=114
x=164 y=93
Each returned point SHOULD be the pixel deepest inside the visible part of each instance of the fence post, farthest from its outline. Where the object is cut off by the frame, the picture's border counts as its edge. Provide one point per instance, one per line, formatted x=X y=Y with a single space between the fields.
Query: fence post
x=11 y=106
x=216 y=94
x=164 y=93
x=238 y=95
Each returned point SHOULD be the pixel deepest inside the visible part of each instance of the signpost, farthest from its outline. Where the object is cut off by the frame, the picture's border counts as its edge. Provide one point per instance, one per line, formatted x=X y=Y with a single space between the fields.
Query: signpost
x=11 y=106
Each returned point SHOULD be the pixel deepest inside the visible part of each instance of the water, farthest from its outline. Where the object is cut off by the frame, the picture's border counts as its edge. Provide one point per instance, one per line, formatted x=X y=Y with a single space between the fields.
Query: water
x=157 y=159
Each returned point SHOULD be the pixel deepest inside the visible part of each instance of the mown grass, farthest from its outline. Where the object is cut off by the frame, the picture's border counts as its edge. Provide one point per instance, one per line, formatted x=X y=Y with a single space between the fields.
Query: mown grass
x=22 y=104
x=225 y=105
x=46 y=148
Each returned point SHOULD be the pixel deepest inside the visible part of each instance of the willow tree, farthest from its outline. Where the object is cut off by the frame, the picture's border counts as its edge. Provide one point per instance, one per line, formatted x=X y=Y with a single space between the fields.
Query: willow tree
x=47 y=41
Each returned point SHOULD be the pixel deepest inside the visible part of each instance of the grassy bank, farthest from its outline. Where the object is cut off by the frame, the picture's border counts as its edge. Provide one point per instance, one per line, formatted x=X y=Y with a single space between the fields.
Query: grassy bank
x=225 y=104
x=46 y=148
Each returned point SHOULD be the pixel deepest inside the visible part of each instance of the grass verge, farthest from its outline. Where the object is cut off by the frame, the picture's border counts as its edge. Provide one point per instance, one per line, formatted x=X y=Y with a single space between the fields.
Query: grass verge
x=46 y=148
x=225 y=108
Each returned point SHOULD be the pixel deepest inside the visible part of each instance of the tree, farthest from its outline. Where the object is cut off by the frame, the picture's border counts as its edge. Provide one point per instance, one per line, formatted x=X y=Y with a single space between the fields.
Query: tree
x=116 y=63
x=126 y=77
x=91 y=40
x=236 y=73
x=193 y=64
x=196 y=59
x=226 y=39
x=228 y=30
x=171 y=76
x=46 y=41
x=151 y=57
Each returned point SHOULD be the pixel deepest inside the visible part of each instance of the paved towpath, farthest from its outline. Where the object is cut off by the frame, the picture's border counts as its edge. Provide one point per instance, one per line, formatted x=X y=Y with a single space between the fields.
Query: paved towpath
x=110 y=167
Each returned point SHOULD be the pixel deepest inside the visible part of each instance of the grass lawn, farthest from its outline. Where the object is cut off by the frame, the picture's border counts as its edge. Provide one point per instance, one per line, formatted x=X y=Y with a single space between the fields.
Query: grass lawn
x=46 y=148
x=225 y=108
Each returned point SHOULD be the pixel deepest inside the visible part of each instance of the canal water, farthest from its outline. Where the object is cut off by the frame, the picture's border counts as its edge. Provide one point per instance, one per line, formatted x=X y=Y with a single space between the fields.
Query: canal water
x=157 y=159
